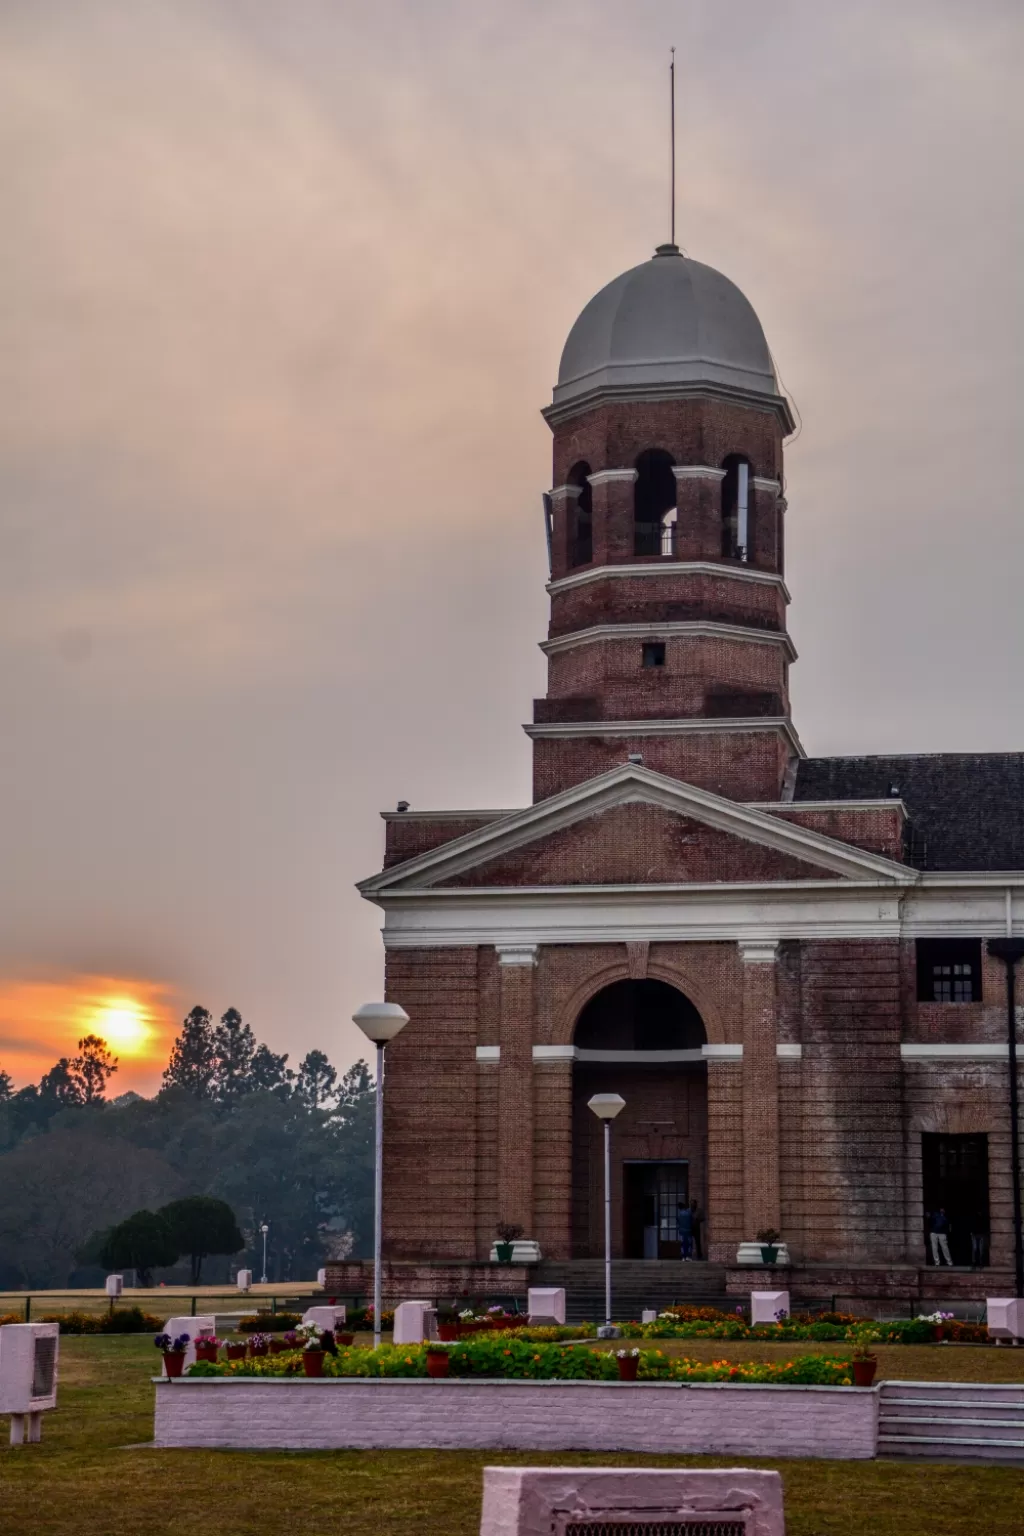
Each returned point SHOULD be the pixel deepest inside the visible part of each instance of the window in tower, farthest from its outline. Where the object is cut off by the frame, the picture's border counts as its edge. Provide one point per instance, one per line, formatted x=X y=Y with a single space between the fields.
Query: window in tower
x=580 y=517
x=949 y=970
x=737 y=508
x=654 y=504
x=654 y=653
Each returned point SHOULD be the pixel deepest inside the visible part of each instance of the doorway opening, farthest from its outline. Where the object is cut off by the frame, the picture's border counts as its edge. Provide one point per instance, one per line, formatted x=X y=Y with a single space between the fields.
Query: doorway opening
x=955 y=1178
x=651 y=1196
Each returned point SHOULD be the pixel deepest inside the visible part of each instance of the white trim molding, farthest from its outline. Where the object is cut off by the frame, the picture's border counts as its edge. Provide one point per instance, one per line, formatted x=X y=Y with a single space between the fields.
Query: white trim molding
x=765 y=483
x=517 y=954
x=726 y=1052
x=670 y=568
x=488 y=1053
x=788 y=1050
x=561 y=491
x=606 y=476
x=762 y=952
x=933 y=1051
x=695 y=629
x=566 y=730
x=721 y=1052
x=697 y=472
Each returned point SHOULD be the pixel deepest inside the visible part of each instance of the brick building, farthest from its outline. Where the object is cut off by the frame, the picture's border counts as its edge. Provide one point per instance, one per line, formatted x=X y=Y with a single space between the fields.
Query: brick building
x=778 y=961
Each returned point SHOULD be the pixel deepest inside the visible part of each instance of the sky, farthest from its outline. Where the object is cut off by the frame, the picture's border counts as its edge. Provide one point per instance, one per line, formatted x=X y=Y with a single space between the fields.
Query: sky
x=283 y=288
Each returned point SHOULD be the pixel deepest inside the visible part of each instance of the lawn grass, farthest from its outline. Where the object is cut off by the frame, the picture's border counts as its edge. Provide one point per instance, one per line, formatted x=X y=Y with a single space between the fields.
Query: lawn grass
x=81 y=1479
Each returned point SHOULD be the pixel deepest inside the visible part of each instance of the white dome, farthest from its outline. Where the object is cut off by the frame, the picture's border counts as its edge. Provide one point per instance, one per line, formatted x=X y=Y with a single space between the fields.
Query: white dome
x=668 y=323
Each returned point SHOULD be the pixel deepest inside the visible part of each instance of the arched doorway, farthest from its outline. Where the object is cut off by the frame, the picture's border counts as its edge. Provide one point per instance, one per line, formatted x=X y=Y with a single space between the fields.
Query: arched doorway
x=643 y=1040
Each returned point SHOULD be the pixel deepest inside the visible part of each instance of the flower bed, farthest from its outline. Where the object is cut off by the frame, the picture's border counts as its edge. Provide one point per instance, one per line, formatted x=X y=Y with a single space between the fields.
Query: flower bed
x=515 y=1359
x=708 y=1323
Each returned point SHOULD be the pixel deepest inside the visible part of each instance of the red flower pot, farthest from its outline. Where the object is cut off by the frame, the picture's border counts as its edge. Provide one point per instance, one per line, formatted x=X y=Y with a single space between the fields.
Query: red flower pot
x=864 y=1372
x=448 y=1332
x=278 y=1346
x=235 y=1351
x=628 y=1367
x=346 y=1340
x=258 y=1349
x=437 y=1363
x=206 y=1351
x=313 y=1362
x=940 y=1331
x=174 y=1362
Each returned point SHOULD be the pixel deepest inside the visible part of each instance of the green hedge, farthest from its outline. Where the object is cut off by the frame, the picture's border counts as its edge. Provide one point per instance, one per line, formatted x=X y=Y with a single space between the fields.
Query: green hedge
x=122 y=1320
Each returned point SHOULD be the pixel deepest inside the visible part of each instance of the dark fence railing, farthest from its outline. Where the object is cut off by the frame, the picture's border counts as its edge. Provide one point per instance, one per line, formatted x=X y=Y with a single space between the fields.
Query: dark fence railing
x=654 y=538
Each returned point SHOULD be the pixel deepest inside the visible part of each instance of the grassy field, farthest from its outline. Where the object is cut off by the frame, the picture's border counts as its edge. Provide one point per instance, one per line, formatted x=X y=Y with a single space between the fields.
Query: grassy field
x=94 y=1476
x=162 y=1301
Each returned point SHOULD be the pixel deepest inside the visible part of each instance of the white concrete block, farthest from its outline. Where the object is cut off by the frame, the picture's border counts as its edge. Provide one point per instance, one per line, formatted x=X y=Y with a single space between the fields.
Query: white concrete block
x=524 y=1251
x=115 y=1285
x=244 y=1279
x=415 y=1321
x=546 y=1302
x=534 y=1501
x=750 y=1253
x=326 y=1318
x=1005 y=1316
x=321 y=1278
x=195 y=1327
x=649 y=1315
x=766 y=1305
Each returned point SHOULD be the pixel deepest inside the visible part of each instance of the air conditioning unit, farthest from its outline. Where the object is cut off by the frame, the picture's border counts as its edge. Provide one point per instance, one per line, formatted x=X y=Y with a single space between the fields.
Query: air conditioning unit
x=28 y=1375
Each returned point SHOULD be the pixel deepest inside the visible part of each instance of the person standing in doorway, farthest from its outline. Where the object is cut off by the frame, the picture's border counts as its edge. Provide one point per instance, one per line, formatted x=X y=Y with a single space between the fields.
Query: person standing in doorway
x=696 y=1222
x=684 y=1227
x=940 y=1236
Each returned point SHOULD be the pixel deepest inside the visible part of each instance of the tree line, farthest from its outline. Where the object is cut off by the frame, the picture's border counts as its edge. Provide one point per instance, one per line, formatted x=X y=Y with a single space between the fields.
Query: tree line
x=292 y=1148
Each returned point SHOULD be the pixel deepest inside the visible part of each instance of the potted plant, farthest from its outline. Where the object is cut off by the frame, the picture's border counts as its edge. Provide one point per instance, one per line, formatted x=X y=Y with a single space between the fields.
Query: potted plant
x=173 y=1351
x=259 y=1344
x=864 y=1362
x=206 y=1348
x=506 y=1244
x=447 y=1322
x=235 y=1351
x=628 y=1361
x=346 y=1340
x=438 y=1362
x=769 y=1238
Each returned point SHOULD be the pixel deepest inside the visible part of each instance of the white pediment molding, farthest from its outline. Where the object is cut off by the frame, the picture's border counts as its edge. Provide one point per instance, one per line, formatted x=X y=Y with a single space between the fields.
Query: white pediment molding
x=631 y=783
x=687 y=629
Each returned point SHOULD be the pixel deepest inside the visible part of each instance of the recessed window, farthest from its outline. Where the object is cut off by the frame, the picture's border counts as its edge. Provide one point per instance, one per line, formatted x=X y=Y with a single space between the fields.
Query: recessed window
x=949 y=970
x=654 y=653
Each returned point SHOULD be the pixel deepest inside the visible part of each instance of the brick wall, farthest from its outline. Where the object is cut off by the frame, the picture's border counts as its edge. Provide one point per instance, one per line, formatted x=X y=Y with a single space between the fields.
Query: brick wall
x=741 y=766
x=682 y=596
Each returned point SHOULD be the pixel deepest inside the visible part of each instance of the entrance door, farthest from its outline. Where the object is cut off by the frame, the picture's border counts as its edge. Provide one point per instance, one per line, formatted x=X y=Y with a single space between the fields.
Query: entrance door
x=955 y=1170
x=652 y=1192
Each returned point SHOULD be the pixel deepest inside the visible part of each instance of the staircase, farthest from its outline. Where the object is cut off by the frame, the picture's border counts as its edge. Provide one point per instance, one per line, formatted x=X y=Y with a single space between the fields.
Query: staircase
x=636 y=1285
x=951 y=1420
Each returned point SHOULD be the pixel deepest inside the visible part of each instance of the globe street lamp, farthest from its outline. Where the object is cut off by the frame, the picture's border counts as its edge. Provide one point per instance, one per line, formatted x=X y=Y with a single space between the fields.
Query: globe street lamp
x=606 y=1106
x=380 y=1023
x=264 y=1229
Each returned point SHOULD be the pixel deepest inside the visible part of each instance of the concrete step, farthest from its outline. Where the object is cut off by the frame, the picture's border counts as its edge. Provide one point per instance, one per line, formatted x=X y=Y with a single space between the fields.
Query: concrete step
x=637 y=1284
x=951 y=1420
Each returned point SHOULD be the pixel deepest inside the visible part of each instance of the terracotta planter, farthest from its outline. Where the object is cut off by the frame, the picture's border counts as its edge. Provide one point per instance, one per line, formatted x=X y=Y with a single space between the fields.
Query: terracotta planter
x=864 y=1372
x=278 y=1346
x=174 y=1362
x=448 y=1332
x=206 y=1352
x=346 y=1340
x=259 y=1349
x=437 y=1363
x=235 y=1351
x=313 y=1362
x=628 y=1367
x=940 y=1331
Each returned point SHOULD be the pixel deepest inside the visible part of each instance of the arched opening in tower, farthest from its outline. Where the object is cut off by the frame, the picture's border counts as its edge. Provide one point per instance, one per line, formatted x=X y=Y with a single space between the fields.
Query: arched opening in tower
x=642 y=1039
x=654 y=503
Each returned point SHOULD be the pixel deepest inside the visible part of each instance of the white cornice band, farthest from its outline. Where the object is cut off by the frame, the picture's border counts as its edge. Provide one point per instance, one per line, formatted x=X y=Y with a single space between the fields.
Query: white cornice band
x=570 y=729
x=697 y=472
x=517 y=954
x=932 y=1051
x=784 y=1051
x=746 y=573
x=696 y=629
x=607 y=476
x=488 y=1053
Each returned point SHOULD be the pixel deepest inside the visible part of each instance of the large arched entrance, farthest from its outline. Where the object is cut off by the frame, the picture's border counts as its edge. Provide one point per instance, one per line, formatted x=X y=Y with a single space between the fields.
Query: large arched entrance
x=643 y=1040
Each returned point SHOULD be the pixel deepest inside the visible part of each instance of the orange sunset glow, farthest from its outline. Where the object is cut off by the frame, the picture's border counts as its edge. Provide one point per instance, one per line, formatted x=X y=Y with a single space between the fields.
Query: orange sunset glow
x=42 y=1020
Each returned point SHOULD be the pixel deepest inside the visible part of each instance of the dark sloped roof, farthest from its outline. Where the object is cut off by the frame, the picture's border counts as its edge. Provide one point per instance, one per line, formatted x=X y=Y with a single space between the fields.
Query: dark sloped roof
x=966 y=809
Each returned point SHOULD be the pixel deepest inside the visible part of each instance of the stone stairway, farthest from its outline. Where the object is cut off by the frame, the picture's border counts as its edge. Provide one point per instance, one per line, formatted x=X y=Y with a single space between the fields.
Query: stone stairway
x=951 y=1420
x=636 y=1284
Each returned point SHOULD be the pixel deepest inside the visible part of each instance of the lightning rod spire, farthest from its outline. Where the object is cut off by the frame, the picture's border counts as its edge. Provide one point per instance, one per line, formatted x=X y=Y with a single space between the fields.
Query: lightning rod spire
x=672 y=110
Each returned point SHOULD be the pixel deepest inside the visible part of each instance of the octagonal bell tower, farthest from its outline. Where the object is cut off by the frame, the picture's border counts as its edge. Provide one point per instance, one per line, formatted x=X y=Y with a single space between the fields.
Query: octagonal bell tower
x=667 y=638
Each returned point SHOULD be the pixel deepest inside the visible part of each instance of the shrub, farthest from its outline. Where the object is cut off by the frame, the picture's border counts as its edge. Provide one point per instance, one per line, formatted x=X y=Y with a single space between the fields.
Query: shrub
x=123 y=1320
x=269 y=1322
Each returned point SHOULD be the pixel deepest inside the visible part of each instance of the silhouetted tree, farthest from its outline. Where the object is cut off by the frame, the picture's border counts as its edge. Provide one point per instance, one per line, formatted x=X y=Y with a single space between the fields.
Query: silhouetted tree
x=268 y=1072
x=234 y=1047
x=143 y=1242
x=200 y=1225
x=6 y=1087
x=193 y=1056
x=92 y=1068
x=59 y=1088
x=315 y=1079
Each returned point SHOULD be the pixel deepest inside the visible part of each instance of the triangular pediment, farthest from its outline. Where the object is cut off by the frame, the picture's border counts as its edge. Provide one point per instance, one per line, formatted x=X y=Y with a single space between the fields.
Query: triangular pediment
x=633 y=826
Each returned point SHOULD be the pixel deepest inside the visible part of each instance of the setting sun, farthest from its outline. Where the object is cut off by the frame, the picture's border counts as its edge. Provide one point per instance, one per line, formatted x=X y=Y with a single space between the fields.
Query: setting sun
x=122 y=1023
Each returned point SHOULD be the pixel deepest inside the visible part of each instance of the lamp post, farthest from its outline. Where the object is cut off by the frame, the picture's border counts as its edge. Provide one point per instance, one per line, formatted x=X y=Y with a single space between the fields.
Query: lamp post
x=606 y=1106
x=380 y=1023
x=264 y=1229
x=1009 y=951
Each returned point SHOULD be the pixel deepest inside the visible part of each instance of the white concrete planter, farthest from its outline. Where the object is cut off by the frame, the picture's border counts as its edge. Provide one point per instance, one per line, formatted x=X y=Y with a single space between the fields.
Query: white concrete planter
x=714 y=1418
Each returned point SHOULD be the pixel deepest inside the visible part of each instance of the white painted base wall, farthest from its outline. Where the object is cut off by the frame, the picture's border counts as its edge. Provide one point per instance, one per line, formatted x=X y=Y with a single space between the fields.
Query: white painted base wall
x=466 y=1414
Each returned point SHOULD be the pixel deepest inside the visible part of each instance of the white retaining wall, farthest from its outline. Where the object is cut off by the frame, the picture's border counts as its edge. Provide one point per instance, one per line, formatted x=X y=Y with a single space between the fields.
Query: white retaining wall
x=481 y=1414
